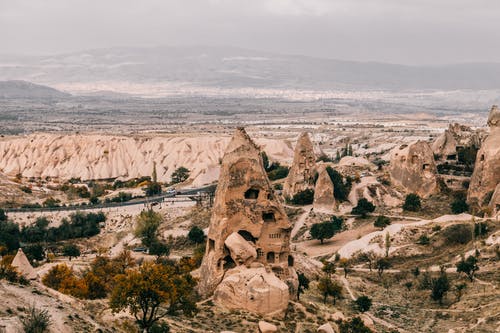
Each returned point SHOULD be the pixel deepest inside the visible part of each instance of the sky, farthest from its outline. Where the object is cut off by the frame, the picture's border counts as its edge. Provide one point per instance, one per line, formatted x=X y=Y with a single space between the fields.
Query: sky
x=413 y=32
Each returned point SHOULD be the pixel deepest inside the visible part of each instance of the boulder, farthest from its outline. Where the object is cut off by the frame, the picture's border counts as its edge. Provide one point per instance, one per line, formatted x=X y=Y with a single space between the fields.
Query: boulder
x=324 y=201
x=253 y=289
x=249 y=233
x=241 y=251
x=413 y=168
x=302 y=173
x=486 y=175
x=265 y=327
x=326 y=328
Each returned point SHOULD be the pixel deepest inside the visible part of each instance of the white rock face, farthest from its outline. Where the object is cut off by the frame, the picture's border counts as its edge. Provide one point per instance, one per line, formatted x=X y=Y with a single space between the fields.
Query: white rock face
x=253 y=289
x=241 y=251
x=326 y=328
x=302 y=172
x=106 y=156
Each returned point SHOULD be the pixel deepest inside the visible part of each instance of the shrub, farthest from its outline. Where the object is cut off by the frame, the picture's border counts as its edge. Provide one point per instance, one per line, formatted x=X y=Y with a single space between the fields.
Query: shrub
x=277 y=172
x=71 y=251
x=423 y=240
x=325 y=230
x=36 y=321
x=305 y=197
x=363 y=208
x=458 y=234
x=459 y=205
x=363 y=303
x=468 y=266
x=196 y=235
x=382 y=222
x=341 y=186
x=179 y=175
x=9 y=235
x=412 y=203
x=353 y=325
x=159 y=248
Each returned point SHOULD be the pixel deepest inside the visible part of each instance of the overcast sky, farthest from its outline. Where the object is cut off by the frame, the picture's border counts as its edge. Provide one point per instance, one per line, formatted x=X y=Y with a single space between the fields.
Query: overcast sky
x=396 y=31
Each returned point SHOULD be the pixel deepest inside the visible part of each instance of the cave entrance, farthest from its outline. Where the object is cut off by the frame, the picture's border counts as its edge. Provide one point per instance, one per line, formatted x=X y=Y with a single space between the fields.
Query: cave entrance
x=270 y=257
x=290 y=261
x=268 y=217
x=247 y=235
x=229 y=262
x=252 y=193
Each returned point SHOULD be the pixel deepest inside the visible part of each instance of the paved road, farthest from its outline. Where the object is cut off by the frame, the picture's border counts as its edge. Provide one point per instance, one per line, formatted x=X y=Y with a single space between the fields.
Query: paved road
x=184 y=195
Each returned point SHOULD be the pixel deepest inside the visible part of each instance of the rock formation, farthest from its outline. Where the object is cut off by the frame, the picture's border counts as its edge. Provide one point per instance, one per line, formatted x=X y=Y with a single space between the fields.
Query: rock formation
x=23 y=266
x=302 y=172
x=495 y=201
x=413 y=168
x=486 y=175
x=247 y=263
x=456 y=137
x=324 y=201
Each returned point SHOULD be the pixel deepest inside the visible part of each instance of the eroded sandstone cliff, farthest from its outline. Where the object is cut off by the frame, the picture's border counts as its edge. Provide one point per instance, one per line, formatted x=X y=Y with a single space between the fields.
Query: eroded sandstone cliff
x=303 y=169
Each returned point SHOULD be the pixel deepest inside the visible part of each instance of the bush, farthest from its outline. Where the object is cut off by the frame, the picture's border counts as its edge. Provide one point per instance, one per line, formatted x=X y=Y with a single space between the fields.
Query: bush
x=382 y=222
x=277 y=172
x=36 y=321
x=9 y=235
x=353 y=325
x=305 y=197
x=459 y=205
x=423 y=240
x=363 y=208
x=71 y=251
x=341 y=186
x=363 y=303
x=196 y=235
x=458 y=234
x=412 y=203
x=179 y=175
x=159 y=248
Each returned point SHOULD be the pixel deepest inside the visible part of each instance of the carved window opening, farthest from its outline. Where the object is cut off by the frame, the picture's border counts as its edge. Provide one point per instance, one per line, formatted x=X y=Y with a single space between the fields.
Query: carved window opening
x=270 y=257
x=252 y=193
x=290 y=261
x=268 y=217
x=426 y=167
x=451 y=157
x=414 y=159
x=260 y=253
x=274 y=236
x=403 y=158
x=247 y=235
x=211 y=244
x=482 y=157
x=279 y=272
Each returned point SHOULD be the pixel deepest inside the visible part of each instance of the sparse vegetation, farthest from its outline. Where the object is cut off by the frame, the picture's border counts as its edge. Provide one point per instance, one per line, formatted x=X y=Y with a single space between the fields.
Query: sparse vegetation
x=36 y=320
x=305 y=197
x=363 y=208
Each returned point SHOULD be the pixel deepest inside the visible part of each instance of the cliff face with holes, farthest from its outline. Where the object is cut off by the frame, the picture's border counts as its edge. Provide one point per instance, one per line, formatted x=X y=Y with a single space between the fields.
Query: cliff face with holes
x=456 y=137
x=247 y=263
x=486 y=175
x=413 y=168
x=303 y=170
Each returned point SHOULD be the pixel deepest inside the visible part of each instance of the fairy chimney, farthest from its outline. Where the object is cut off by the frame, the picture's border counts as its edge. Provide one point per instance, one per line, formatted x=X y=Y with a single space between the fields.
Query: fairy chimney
x=23 y=266
x=249 y=235
x=302 y=172
x=324 y=201
x=413 y=168
x=486 y=175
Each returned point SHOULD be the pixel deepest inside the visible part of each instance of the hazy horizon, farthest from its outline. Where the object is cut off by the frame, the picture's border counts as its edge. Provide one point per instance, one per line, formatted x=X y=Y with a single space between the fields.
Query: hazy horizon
x=385 y=31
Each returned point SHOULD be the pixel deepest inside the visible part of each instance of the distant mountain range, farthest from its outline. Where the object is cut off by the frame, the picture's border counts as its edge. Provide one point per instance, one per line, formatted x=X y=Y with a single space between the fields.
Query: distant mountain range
x=235 y=68
x=21 y=89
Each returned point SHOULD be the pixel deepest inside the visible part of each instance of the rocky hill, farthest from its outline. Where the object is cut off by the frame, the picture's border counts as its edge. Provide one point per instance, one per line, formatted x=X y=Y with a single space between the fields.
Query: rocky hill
x=23 y=89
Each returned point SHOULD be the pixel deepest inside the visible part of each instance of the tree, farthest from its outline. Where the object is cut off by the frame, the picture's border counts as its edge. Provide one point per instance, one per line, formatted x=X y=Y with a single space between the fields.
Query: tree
x=3 y=215
x=329 y=268
x=468 y=266
x=363 y=208
x=71 y=251
x=159 y=248
x=459 y=288
x=368 y=257
x=152 y=292
x=180 y=174
x=265 y=160
x=303 y=284
x=36 y=320
x=147 y=223
x=9 y=235
x=327 y=287
x=382 y=264
x=412 y=203
x=363 y=303
x=382 y=222
x=196 y=235
x=439 y=287
x=341 y=187
x=459 y=205
x=34 y=252
x=325 y=230
x=354 y=325
x=346 y=265
x=305 y=197
x=153 y=188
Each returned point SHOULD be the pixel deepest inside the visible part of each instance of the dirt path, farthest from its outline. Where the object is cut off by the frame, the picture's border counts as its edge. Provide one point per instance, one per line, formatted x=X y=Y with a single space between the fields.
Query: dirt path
x=301 y=220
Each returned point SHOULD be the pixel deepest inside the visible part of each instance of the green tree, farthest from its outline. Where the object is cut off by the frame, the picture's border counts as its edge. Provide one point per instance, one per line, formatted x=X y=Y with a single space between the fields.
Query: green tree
x=265 y=160
x=459 y=288
x=303 y=284
x=152 y=292
x=363 y=303
x=196 y=235
x=468 y=266
x=327 y=287
x=179 y=175
x=412 y=203
x=459 y=205
x=439 y=287
x=382 y=264
x=153 y=188
x=363 y=208
x=382 y=222
x=353 y=325
x=341 y=186
x=34 y=252
x=9 y=235
x=305 y=197
x=159 y=248
x=147 y=223
x=71 y=251
x=3 y=215
x=325 y=230
x=329 y=268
